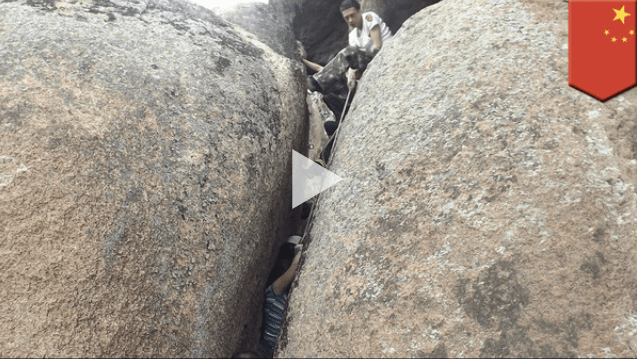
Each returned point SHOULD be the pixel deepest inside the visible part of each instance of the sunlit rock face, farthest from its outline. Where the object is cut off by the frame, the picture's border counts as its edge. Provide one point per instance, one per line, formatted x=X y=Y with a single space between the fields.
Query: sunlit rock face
x=145 y=152
x=487 y=208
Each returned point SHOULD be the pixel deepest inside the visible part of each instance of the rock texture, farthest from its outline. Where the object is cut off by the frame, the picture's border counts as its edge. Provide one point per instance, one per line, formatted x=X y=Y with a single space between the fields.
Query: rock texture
x=143 y=156
x=487 y=209
x=318 y=113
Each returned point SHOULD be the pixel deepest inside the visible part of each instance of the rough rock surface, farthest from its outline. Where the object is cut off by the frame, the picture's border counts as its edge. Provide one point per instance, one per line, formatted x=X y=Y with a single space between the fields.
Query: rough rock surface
x=142 y=156
x=487 y=209
x=318 y=113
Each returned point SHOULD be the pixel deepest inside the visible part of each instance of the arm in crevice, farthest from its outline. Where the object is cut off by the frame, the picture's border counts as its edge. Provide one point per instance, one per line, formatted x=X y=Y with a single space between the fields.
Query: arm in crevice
x=303 y=54
x=283 y=282
x=312 y=65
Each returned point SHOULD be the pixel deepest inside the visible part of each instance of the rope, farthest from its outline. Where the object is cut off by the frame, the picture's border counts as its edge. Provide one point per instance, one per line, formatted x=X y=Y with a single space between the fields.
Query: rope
x=310 y=218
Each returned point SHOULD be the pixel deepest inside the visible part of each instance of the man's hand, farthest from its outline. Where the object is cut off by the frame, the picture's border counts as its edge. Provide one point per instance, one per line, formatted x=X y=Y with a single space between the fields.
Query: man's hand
x=372 y=53
x=301 y=50
x=351 y=79
x=303 y=54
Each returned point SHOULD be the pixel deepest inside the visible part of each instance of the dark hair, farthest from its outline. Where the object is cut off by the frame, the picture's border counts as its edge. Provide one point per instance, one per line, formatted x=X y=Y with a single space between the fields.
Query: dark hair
x=346 y=4
x=246 y=353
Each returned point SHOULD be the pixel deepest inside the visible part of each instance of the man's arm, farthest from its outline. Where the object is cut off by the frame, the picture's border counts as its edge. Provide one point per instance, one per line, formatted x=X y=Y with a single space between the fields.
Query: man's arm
x=284 y=281
x=312 y=65
x=377 y=40
x=352 y=76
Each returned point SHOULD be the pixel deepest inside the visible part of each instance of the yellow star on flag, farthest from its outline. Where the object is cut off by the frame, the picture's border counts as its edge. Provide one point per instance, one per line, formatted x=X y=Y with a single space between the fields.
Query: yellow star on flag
x=614 y=39
x=632 y=32
x=624 y=39
x=605 y=32
x=620 y=14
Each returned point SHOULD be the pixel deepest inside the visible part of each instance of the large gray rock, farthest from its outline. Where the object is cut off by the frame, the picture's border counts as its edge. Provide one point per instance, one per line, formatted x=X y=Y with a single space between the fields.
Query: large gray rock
x=487 y=208
x=145 y=158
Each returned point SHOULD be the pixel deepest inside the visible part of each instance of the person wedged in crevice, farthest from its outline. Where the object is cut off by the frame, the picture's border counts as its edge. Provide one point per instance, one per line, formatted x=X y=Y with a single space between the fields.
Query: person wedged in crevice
x=276 y=294
x=276 y=298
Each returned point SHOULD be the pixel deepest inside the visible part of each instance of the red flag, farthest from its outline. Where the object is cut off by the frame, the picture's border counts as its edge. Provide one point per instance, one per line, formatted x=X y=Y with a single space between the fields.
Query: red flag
x=602 y=46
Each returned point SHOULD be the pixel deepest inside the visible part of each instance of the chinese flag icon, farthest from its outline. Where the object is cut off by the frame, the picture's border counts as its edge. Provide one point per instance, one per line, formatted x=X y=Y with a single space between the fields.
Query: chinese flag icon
x=602 y=46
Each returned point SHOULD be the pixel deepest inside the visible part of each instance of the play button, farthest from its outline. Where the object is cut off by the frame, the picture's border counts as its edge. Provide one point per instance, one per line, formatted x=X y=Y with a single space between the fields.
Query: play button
x=309 y=179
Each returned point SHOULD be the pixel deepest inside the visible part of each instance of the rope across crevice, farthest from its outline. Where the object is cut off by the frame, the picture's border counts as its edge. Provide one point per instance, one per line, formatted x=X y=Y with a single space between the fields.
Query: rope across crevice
x=310 y=220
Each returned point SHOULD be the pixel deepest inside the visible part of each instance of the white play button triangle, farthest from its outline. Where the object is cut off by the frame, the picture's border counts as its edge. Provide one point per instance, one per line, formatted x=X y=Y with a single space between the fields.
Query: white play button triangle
x=309 y=179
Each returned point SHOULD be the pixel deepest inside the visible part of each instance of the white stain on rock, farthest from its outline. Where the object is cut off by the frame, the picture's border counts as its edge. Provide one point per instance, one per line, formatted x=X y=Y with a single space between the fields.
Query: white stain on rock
x=9 y=168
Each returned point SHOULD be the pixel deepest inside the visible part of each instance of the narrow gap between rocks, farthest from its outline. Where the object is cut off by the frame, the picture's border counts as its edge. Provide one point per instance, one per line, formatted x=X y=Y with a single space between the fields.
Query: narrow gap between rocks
x=294 y=222
x=314 y=137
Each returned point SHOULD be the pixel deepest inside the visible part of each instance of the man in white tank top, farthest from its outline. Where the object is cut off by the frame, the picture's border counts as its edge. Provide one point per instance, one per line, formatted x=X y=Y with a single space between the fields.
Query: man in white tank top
x=369 y=24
